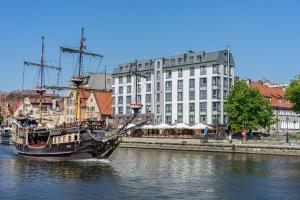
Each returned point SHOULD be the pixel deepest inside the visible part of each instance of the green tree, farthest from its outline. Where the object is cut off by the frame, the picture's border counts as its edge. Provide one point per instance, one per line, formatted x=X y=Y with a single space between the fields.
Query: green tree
x=247 y=108
x=292 y=93
x=1 y=119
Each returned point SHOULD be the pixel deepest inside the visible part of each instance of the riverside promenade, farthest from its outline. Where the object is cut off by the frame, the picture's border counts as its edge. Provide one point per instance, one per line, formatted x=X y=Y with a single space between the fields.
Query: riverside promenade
x=237 y=146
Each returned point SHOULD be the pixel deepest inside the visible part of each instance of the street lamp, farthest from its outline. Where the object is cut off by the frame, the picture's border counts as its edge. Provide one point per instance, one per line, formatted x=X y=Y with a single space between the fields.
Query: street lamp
x=287 y=130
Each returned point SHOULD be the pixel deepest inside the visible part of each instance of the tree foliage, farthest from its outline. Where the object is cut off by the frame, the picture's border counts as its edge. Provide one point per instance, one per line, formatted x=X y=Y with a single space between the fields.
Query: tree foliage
x=247 y=108
x=293 y=93
x=1 y=119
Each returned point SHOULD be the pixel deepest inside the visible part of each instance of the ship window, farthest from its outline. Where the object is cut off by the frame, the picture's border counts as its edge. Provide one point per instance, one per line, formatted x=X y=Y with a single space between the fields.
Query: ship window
x=76 y=138
x=70 y=138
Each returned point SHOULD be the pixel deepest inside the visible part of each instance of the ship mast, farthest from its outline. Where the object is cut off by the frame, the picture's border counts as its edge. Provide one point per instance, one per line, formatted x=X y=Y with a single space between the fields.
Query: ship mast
x=40 y=88
x=78 y=79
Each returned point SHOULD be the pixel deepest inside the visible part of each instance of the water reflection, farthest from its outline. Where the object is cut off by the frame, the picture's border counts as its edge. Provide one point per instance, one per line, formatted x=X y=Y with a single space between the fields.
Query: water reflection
x=71 y=170
x=152 y=174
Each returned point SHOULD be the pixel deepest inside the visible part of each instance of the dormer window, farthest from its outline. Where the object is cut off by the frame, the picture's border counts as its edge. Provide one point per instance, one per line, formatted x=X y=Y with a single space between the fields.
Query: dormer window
x=172 y=61
x=279 y=101
x=199 y=58
x=191 y=59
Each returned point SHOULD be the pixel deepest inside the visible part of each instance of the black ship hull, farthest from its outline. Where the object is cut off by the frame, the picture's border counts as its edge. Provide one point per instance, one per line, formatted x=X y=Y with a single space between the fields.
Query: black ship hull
x=69 y=152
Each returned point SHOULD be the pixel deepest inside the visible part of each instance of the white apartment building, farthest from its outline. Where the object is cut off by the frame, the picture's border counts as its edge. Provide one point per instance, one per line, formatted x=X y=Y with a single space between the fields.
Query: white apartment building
x=189 y=88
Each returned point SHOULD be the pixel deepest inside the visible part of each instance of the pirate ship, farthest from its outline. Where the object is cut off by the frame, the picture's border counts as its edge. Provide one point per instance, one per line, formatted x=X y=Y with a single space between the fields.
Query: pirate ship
x=68 y=141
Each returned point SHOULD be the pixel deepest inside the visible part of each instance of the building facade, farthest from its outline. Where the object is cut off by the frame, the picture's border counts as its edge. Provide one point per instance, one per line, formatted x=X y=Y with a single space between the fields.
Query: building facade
x=287 y=119
x=185 y=88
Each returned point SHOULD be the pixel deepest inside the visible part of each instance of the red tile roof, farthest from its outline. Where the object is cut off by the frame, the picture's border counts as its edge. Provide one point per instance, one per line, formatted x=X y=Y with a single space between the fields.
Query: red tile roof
x=275 y=94
x=104 y=101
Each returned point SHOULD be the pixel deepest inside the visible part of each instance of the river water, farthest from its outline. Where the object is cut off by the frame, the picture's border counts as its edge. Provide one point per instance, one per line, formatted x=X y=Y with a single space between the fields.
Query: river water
x=151 y=174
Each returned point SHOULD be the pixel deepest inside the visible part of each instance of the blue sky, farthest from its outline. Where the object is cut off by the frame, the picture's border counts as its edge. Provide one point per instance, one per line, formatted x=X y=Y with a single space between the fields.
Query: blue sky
x=264 y=35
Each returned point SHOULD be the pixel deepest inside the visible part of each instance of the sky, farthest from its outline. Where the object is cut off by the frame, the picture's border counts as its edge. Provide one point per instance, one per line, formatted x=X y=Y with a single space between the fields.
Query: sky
x=263 y=35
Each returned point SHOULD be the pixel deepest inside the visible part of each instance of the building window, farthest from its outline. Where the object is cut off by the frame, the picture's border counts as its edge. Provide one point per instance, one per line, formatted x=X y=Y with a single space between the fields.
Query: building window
x=168 y=97
x=192 y=95
x=192 y=83
x=114 y=81
x=148 y=109
x=191 y=59
x=168 y=85
x=139 y=88
x=158 y=120
x=179 y=61
x=279 y=101
x=216 y=81
x=216 y=119
x=140 y=66
x=203 y=70
x=168 y=108
x=203 y=82
x=168 y=74
x=180 y=84
x=225 y=80
x=192 y=107
x=192 y=71
x=120 y=100
x=179 y=119
x=128 y=89
x=128 y=99
x=199 y=58
x=172 y=61
x=180 y=107
x=120 y=89
x=139 y=99
x=216 y=106
x=158 y=64
x=179 y=96
x=158 y=86
x=148 y=77
x=216 y=94
x=158 y=97
x=128 y=79
x=120 y=110
x=113 y=100
x=192 y=119
x=148 y=98
x=148 y=87
x=158 y=109
x=203 y=119
x=120 y=79
x=203 y=95
x=203 y=106
x=179 y=72
x=168 y=119
x=147 y=65
x=216 y=69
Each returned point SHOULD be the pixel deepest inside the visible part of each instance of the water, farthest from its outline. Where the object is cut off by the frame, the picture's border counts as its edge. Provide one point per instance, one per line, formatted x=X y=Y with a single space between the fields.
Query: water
x=151 y=174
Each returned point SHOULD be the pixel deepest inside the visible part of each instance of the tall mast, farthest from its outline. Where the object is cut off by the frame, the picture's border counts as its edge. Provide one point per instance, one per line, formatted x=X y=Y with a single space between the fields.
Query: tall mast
x=78 y=78
x=40 y=88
